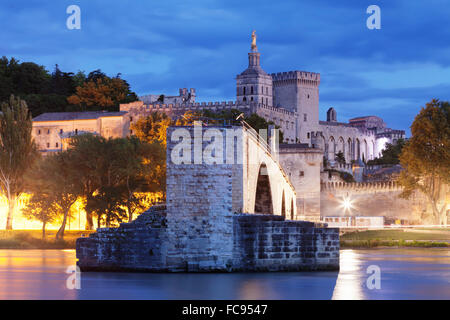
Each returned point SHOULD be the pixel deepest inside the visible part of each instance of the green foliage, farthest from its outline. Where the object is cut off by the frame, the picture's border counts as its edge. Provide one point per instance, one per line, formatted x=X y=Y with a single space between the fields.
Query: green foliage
x=113 y=172
x=41 y=207
x=229 y=117
x=54 y=180
x=340 y=158
x=152 y=128
x=48 y=92
x=390 y=155
x=426 y=157
x=17 y=151
x=347 y=177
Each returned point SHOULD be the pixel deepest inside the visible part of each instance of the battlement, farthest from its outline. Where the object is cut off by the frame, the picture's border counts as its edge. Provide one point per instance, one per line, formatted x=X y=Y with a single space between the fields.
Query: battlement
x=198 y=106
x=303 y=76
x=343 y=167
x=276 y=109
x=384 y=186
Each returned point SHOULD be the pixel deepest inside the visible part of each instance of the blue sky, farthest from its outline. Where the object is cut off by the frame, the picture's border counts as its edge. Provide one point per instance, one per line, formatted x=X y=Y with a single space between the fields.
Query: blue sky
x=159 y=46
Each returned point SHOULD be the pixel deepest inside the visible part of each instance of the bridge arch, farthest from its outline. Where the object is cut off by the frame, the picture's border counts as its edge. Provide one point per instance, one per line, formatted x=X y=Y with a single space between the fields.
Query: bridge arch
x=263 y=196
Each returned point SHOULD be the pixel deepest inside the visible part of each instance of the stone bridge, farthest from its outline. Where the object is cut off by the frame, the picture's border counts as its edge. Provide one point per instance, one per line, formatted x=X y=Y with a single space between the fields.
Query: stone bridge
x=237 y=155
x=228 y=201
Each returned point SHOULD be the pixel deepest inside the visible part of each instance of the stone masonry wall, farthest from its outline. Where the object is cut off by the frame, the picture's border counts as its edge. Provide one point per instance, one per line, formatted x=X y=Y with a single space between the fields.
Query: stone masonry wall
x=270 y=243
x=137 y=246
x=199 y=209
x=259 y=243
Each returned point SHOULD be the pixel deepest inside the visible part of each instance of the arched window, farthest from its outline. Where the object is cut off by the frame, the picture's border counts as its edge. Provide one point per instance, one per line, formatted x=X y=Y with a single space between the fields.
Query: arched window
x=251 y=99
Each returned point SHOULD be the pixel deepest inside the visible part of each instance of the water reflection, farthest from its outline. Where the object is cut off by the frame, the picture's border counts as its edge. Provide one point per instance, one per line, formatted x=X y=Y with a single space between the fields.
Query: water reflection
x=405 y=274
x=35 y=274
x=350 y=280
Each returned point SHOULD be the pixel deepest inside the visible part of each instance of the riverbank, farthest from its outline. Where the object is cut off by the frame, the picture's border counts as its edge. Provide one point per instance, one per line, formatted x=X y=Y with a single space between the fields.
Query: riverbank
x=422 y=238
x=32 y=239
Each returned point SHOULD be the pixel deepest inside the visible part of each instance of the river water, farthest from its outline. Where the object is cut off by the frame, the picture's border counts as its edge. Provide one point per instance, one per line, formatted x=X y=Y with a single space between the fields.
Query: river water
x=404 y=274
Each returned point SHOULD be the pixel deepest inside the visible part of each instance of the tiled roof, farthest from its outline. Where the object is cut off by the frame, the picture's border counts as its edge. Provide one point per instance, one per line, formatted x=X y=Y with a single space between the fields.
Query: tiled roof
x=67 y=116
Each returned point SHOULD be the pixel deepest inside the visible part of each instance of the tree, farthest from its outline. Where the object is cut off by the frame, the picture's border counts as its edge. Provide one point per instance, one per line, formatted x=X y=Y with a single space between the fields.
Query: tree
x=62 y=83
x=85 y=157
x=152 y=128
x=17 y=151
x=41 y=207
x=55 y=180
x=114 y=173
x=340 y=158
x=141 y=167
x=426 y=157
x=100 y=91
x=390 y=154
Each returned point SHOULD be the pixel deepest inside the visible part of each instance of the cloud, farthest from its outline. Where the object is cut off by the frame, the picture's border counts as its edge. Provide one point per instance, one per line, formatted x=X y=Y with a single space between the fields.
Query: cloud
x=159 y=46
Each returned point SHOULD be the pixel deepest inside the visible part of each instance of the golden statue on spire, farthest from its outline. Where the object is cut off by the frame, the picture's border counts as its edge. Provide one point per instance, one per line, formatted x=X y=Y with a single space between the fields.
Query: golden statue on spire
x=254 y=47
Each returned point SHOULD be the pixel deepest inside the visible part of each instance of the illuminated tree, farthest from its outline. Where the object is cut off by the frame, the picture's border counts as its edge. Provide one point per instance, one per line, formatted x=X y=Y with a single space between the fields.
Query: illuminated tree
x=17 y=151
x=113 y=173
x=102 y=91
x=426 y=157
x=85 y=158
x=152 y=128
x=141 y=167
x=54 y=180
x=41 y=207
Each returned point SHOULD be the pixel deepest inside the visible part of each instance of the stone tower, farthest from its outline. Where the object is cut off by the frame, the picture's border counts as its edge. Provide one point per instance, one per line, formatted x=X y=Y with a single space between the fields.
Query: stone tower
x=254 y=84
x=298 y=91
x=331 y=115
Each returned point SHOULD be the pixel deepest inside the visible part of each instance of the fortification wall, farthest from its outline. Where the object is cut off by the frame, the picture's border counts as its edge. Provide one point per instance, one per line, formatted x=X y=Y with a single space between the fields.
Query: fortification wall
x=371 y=199
x=286 y=119
x=302 y=165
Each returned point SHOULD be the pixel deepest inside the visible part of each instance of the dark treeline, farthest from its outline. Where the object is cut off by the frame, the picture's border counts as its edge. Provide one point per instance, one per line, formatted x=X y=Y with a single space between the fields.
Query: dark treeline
x=61 y=91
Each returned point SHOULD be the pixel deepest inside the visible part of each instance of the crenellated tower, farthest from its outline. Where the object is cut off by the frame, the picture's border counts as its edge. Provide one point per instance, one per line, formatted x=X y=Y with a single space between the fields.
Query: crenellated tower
x=298 y=91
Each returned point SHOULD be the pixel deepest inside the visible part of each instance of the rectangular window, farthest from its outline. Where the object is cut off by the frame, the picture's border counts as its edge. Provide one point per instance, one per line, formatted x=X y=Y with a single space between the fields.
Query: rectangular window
x=48 y=145
x=302 y=173
x=305 y=118
x=39 y=131
x=57 y=144
x=60 y=130
x=48 y=131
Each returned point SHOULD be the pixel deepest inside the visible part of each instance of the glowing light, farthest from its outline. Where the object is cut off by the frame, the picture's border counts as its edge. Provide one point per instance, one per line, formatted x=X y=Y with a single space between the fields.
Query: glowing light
x=76 y=220
x=347 y=204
